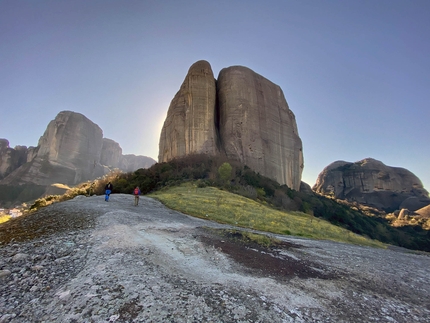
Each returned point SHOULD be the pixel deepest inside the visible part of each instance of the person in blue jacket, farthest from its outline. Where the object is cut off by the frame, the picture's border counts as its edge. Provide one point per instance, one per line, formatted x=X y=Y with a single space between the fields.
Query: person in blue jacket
x=108 y=190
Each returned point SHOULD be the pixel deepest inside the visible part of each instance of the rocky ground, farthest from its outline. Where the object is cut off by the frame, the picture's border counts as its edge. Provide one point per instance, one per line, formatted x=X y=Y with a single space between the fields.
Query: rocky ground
x=87 y=260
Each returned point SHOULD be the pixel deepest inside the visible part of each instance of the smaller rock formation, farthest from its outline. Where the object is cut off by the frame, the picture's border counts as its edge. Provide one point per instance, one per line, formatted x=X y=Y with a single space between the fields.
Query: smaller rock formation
x=11 y=158
x=111 y=153
x=424 y=212
x=372 y=183
x=130 y=163
x=112 y=157
x=404 y=214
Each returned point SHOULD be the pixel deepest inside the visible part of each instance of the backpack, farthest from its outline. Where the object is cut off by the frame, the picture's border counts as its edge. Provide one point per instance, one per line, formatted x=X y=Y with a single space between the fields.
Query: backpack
x=136 y=191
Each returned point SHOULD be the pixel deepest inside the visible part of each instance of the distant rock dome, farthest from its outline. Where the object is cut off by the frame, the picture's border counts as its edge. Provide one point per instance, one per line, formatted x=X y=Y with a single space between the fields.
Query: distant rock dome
x=371 y=182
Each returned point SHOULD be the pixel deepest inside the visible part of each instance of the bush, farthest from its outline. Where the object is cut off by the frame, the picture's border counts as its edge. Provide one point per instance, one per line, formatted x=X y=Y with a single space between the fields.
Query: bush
x=224 y=172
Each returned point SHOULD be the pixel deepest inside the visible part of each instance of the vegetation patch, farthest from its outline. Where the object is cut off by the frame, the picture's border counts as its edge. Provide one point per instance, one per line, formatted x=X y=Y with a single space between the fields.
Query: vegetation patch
x=4 y=218
x=44 y=223
x=224 y=207
x=246 y=237
x=261 y=255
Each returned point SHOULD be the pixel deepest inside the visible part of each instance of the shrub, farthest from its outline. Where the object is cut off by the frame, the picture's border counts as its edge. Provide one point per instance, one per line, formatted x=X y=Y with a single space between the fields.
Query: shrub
x=224 y=172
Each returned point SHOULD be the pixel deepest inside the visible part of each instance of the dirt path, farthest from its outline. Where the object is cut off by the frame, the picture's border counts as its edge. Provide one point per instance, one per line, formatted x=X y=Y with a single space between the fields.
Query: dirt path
x=93 y=261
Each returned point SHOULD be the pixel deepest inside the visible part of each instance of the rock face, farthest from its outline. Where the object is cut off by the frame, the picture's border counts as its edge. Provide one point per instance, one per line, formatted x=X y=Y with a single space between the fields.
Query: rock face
x=257 y=127
x=371 y=182
x=111 y=153
x=242 y=115
x=189 y=127
x=71 y=142
x=72 y=150
x=130 y=163
x=11 y=159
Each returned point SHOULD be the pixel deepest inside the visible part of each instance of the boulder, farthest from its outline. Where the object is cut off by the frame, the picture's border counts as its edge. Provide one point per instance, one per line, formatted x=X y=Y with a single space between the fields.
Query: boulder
x=372 y=183
x=241 y=115
x=189 y=127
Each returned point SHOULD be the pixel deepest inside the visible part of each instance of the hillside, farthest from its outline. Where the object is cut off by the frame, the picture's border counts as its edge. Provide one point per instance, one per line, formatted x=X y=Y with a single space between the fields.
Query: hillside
x=240 y=180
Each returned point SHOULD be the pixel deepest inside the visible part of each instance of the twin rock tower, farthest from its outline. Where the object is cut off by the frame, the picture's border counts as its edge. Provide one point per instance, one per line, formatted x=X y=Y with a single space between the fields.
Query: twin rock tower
x=241 y=115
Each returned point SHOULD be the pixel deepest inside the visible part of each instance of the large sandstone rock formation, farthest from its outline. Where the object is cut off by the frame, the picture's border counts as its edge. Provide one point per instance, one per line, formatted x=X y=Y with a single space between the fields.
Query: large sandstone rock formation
x=72 y=143
x=242 y=115
x=72 y=150
x=257 y=127
x=189 y=127
x=371 y=182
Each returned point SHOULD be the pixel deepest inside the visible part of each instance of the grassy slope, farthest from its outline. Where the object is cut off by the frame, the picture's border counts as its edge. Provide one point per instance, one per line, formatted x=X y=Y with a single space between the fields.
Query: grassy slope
x=224 y=207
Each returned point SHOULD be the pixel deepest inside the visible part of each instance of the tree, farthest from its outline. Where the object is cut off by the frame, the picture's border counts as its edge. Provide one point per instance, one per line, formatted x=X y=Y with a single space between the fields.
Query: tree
x=224 y=172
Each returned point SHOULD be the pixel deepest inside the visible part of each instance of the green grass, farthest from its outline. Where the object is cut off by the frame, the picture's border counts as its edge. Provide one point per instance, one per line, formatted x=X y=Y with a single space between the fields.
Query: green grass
x=224 y=207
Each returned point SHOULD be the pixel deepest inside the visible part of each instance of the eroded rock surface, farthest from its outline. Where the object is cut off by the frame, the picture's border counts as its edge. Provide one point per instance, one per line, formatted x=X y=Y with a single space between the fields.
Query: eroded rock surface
x=241 y=115
x=371 y=182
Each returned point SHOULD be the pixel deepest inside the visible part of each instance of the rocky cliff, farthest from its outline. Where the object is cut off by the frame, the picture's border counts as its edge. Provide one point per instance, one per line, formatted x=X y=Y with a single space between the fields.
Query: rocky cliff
x=371 y=182
x=72 y=150
x=72 y=143
x=241 y=115
x=257 y=127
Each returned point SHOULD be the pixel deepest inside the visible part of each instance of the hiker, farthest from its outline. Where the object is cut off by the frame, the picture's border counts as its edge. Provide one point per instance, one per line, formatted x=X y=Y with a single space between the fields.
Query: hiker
x=108 y=190
x=136 y=193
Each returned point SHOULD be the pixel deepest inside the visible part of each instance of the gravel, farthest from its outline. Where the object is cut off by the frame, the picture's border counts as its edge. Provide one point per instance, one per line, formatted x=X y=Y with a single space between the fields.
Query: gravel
x=87 y=260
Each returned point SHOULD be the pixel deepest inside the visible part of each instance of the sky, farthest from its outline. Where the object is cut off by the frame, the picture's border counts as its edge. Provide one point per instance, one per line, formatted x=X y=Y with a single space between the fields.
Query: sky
x=356 y=74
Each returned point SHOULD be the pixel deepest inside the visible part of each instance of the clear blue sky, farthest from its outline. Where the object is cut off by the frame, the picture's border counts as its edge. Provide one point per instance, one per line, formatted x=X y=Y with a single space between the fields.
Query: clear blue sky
x=355 y=73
